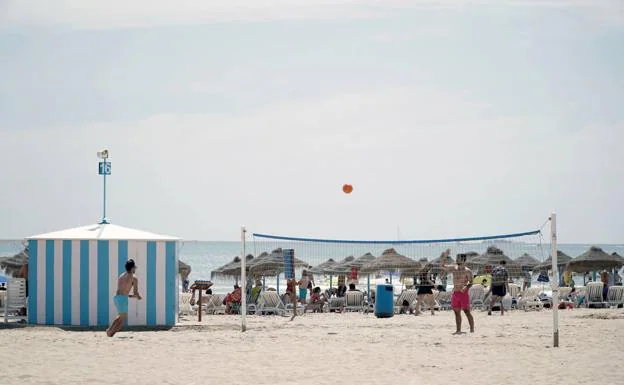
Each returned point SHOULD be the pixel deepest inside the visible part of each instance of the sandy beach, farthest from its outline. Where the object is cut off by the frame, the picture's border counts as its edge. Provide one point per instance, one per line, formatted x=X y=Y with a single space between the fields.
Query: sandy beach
x=327 y=349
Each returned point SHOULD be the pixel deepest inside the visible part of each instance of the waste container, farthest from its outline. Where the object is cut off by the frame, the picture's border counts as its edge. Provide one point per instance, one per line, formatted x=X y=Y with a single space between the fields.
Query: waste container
x=384 y=301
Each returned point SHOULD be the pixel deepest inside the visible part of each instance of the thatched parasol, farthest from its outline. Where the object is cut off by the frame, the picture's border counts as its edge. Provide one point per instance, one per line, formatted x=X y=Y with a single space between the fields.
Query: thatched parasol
x=326 y=267
x=594 y=259
x=618 y=257
x=343 y=266
x=272 y=264
x=14 y=266
x=562 y=260
x=391 y=261
x=231 y=269
x=492 y=257
x=527 y=261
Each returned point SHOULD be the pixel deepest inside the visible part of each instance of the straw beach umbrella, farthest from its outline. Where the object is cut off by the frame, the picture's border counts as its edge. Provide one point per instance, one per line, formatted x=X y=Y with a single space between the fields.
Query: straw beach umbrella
x=526 y=261
x=562 y=260
x=343 y=266
x=492 y=257
x=325 y=268
x=272 y=264
x=391 y=261
x=618 y=257
x=594 y=259
x=14 y=265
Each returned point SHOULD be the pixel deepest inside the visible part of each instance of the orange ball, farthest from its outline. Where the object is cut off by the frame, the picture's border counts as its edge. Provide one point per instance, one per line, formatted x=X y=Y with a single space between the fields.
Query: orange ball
x=347 y=188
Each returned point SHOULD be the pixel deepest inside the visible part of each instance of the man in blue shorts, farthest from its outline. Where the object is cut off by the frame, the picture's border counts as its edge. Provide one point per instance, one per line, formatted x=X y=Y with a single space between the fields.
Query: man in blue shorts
x=126 y=282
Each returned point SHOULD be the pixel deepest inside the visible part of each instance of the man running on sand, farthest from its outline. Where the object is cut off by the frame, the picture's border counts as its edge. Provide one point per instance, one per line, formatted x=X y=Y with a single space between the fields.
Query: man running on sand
x=462 y=281
x=125 y=283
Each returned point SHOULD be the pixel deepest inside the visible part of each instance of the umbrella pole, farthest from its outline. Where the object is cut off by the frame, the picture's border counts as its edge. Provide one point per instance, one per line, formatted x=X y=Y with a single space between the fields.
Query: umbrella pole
x=330 y=282
x=368 y=287
x=277 y=283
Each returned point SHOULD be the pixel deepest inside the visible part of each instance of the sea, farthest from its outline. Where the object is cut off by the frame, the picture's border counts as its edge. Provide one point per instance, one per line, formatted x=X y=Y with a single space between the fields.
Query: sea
x=206 y=256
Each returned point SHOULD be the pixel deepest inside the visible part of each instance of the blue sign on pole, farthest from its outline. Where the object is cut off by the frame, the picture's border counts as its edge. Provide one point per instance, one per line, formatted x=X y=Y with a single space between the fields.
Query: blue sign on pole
x=289 y=263
x=104 y=168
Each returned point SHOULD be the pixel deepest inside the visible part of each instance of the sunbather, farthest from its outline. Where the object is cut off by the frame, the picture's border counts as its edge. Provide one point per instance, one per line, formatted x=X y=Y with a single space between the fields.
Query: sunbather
x=232 y=299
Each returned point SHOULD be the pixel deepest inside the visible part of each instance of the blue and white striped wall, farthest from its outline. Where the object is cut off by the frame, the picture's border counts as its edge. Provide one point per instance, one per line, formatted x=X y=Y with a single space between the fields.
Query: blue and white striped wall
x=72 y=282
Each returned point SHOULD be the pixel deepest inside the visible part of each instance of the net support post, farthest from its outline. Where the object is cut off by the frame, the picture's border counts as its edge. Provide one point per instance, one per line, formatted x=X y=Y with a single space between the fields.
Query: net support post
x=243 y=307
x=555 y=281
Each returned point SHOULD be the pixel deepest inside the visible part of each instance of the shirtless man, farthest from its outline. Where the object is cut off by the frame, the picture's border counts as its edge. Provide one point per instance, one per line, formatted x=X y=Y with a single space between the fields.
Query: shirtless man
x=126 y=282
x=462 y=280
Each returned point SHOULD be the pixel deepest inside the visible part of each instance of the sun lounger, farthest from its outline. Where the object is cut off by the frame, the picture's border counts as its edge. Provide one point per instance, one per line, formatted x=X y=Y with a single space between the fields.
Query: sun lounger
x=530 y=299
x=477 y=296
x=408 y=296
x=593 y=294
x=514 y=292
x=270 y=302
x=185 y=304
x=354 y=301
x=443 y=299
x=15 y=298
x=336 y=303
x=615 y=296
x=215 y=305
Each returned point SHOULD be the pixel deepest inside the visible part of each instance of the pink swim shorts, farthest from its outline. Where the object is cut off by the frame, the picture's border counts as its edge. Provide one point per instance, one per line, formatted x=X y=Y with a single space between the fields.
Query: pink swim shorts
x=460 y=300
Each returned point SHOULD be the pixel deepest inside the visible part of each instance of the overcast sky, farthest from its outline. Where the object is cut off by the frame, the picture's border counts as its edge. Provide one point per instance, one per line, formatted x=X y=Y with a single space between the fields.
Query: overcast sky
x=448 y=120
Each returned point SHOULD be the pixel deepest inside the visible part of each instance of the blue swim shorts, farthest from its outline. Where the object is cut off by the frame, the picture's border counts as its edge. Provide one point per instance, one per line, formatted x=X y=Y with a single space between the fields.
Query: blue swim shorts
x=121 y=303
x=303 y=293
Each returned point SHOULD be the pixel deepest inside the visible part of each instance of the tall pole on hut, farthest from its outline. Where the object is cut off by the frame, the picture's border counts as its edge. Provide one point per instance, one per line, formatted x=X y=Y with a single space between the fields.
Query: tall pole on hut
x=104 y=169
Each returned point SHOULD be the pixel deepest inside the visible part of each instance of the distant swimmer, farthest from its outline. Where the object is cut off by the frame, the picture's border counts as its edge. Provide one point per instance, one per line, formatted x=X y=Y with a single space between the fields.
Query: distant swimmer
x=126 y=282
x=462 y=281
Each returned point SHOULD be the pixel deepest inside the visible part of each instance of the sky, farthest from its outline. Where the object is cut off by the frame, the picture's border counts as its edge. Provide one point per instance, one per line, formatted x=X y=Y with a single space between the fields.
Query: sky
x=448 y=119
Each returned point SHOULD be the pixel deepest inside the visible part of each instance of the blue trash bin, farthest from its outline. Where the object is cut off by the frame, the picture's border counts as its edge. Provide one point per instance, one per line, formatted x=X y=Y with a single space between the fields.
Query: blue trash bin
x=384 y=301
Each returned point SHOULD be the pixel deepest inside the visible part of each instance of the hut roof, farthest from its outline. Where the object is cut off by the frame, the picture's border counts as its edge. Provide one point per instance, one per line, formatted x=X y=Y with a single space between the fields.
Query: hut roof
x=104 y=231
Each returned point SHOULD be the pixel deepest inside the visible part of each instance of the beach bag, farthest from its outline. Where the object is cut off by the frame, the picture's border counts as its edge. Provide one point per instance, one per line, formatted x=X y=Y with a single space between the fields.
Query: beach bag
x=498 y=276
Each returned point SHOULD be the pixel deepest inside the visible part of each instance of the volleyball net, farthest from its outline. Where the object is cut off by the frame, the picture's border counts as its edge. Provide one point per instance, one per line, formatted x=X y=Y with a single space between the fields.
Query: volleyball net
x=332 y=262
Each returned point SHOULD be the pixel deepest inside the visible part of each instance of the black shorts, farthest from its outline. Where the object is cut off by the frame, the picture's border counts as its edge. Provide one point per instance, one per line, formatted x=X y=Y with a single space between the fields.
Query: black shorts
x=500 y=291
x=425 y=290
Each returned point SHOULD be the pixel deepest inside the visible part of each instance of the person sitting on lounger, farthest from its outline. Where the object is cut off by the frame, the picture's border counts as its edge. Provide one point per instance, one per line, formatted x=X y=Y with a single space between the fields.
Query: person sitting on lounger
x=316 y=301
x=233 y=299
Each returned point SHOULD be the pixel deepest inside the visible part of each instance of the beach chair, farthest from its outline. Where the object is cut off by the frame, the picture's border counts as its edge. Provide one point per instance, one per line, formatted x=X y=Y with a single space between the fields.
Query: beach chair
x=410 y=296
x=354 y=301
x=185 y=304
x=477 y=296
x=336 y=303
x=593 y=294
x=252 y=301
x=615 y=296
x=15 y=298
x=530 y=299
x=215 y=305
x=514 y=293
x=564 y=293
x=270 y=302
x=443 y=299
x=300 y=308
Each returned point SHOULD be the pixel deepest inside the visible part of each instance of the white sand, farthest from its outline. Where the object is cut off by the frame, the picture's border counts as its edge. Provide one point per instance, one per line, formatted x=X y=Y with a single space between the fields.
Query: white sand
x=328 y=349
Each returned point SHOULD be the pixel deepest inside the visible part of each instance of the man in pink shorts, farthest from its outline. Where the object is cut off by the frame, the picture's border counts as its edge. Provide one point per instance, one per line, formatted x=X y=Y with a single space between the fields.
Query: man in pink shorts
x=462 y=280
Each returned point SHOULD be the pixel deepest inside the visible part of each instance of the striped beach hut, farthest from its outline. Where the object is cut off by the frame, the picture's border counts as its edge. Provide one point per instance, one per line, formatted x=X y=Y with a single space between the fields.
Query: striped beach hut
x=72 y=276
